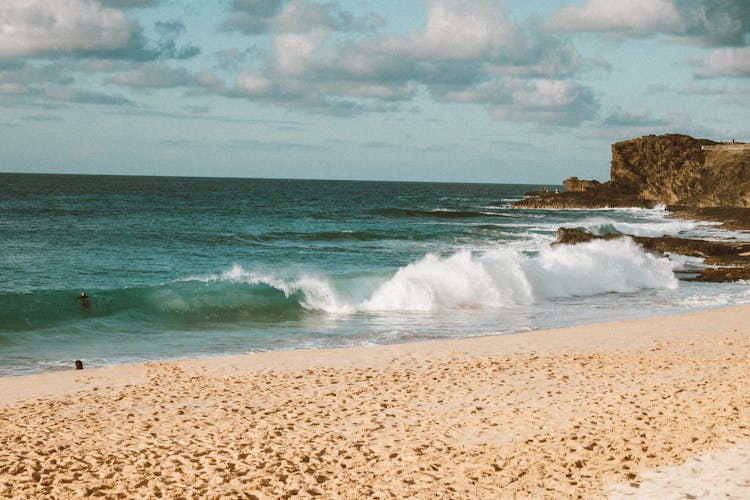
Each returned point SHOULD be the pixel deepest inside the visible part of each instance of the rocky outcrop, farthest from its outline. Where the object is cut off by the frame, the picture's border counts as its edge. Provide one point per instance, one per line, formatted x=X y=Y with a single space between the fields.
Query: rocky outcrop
x=724 y=274
x=576 y=185
x=672 y=169
x=734 y=218
x=600 y=197
x=732 y=259
x=717 y=250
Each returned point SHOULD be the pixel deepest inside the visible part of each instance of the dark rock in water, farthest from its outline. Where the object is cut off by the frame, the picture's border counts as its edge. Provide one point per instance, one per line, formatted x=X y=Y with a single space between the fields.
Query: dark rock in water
x=716 y=250
x=79 y=364
x=672 y=169
x=733 y=218
x=591 y=198
x=725 y=254
x=573 y=236
x=693 y=247
x=724 y=274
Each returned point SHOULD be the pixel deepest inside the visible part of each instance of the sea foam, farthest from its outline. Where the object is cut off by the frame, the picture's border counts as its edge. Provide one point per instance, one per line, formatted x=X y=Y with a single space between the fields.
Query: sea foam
x=495 y=278
x=503 y=277
x=655 y=229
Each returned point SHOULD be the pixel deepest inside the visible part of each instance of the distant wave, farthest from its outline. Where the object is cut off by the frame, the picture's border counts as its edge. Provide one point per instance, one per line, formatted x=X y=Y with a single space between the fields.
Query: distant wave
x=495 y=278
x=603 y=226
x=326 y=236
x=438 y=214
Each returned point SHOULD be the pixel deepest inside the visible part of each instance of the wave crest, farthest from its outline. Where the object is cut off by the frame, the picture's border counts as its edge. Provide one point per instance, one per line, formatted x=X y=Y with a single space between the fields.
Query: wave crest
x=603 y=226
x=495 y=278
x=506 y=277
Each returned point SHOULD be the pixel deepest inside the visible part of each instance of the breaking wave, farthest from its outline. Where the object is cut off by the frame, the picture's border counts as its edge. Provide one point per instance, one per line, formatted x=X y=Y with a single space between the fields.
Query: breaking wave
x=603 y=226
x=437 y=213
x=465 y=279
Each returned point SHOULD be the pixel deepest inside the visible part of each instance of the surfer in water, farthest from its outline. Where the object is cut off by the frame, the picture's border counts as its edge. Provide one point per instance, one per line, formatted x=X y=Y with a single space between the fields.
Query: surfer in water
x=85 y=302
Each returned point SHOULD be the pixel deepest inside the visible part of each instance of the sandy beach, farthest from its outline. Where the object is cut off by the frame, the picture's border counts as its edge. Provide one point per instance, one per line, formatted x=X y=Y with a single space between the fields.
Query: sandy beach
x=576 y=412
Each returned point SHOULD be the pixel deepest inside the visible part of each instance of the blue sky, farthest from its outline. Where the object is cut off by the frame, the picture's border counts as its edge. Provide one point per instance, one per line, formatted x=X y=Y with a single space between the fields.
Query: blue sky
x=434 y=90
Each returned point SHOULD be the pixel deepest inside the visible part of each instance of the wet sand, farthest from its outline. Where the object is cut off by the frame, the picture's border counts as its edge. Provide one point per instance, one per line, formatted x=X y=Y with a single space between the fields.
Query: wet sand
x=585 y=411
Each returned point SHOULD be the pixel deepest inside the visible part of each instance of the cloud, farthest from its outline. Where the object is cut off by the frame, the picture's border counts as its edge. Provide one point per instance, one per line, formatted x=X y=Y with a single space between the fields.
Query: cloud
x=83 y=28
x=30 y=27
x=125 y=4
x=85 y=97
x=255 y=17
x=641 y=118
x=464 y=49
x=300 y=16
x=161 y=76
x=21 y=72
x=458 y=30
x=167 y=28
x=708 y=22
x=556 y=102
x=140 y=49
x=251 y=144
x=633 y=17
x=50 y=93
x=738 y=96
x=234 y=59
x=729 y=61
x=715 y=23
x=723 y=24
x=42 y=118
x=26 y=83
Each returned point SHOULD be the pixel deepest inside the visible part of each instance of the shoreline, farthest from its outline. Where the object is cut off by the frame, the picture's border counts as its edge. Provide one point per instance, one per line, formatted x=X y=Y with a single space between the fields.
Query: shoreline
x=298 y=357
x=563 y=412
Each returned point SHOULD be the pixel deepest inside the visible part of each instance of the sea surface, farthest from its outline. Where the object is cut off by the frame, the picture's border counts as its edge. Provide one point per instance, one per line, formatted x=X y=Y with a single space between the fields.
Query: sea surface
x=190 y=267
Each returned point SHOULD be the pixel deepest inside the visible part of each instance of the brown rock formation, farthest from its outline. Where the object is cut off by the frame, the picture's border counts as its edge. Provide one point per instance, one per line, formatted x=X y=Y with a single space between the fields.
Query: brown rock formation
x=604 y=196
x=724 y=274
x=574 y=184
x=731 y=218
x=671 y=169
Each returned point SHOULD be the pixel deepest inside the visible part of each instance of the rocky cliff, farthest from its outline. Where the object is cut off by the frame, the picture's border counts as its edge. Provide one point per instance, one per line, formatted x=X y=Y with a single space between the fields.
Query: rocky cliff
x=672 y=169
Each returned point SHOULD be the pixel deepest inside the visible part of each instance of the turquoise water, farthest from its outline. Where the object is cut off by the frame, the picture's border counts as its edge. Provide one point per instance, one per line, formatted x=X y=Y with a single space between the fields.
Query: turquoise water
x=181 y=267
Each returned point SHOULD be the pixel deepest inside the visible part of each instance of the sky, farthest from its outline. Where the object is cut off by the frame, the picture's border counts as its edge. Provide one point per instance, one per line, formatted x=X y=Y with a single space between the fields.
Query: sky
x=529 y=91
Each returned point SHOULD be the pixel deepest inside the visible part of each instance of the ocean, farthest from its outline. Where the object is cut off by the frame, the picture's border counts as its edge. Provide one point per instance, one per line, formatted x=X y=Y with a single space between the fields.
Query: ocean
x=191 y=267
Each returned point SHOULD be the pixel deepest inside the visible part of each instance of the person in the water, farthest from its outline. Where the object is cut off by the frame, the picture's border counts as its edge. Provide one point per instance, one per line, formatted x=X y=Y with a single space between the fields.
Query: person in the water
x=85 y=302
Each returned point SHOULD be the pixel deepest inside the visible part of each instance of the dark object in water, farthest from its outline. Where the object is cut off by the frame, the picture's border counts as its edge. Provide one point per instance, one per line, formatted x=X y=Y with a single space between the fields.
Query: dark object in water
x=79 y=364
x=85 y=302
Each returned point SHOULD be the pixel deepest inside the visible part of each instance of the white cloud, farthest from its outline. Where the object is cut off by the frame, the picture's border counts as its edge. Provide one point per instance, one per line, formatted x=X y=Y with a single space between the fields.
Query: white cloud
x=468 y=51
x=707 y=22
x=459 y=29
x=729 y=61
x=620 y=117
x=632 y=16
x=253 y=84
x=559 y=102
x=295 y=52
x=29 y=27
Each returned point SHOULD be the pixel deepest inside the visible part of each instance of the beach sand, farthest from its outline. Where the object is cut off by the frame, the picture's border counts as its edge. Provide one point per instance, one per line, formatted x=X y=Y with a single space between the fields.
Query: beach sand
x=586 y=411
